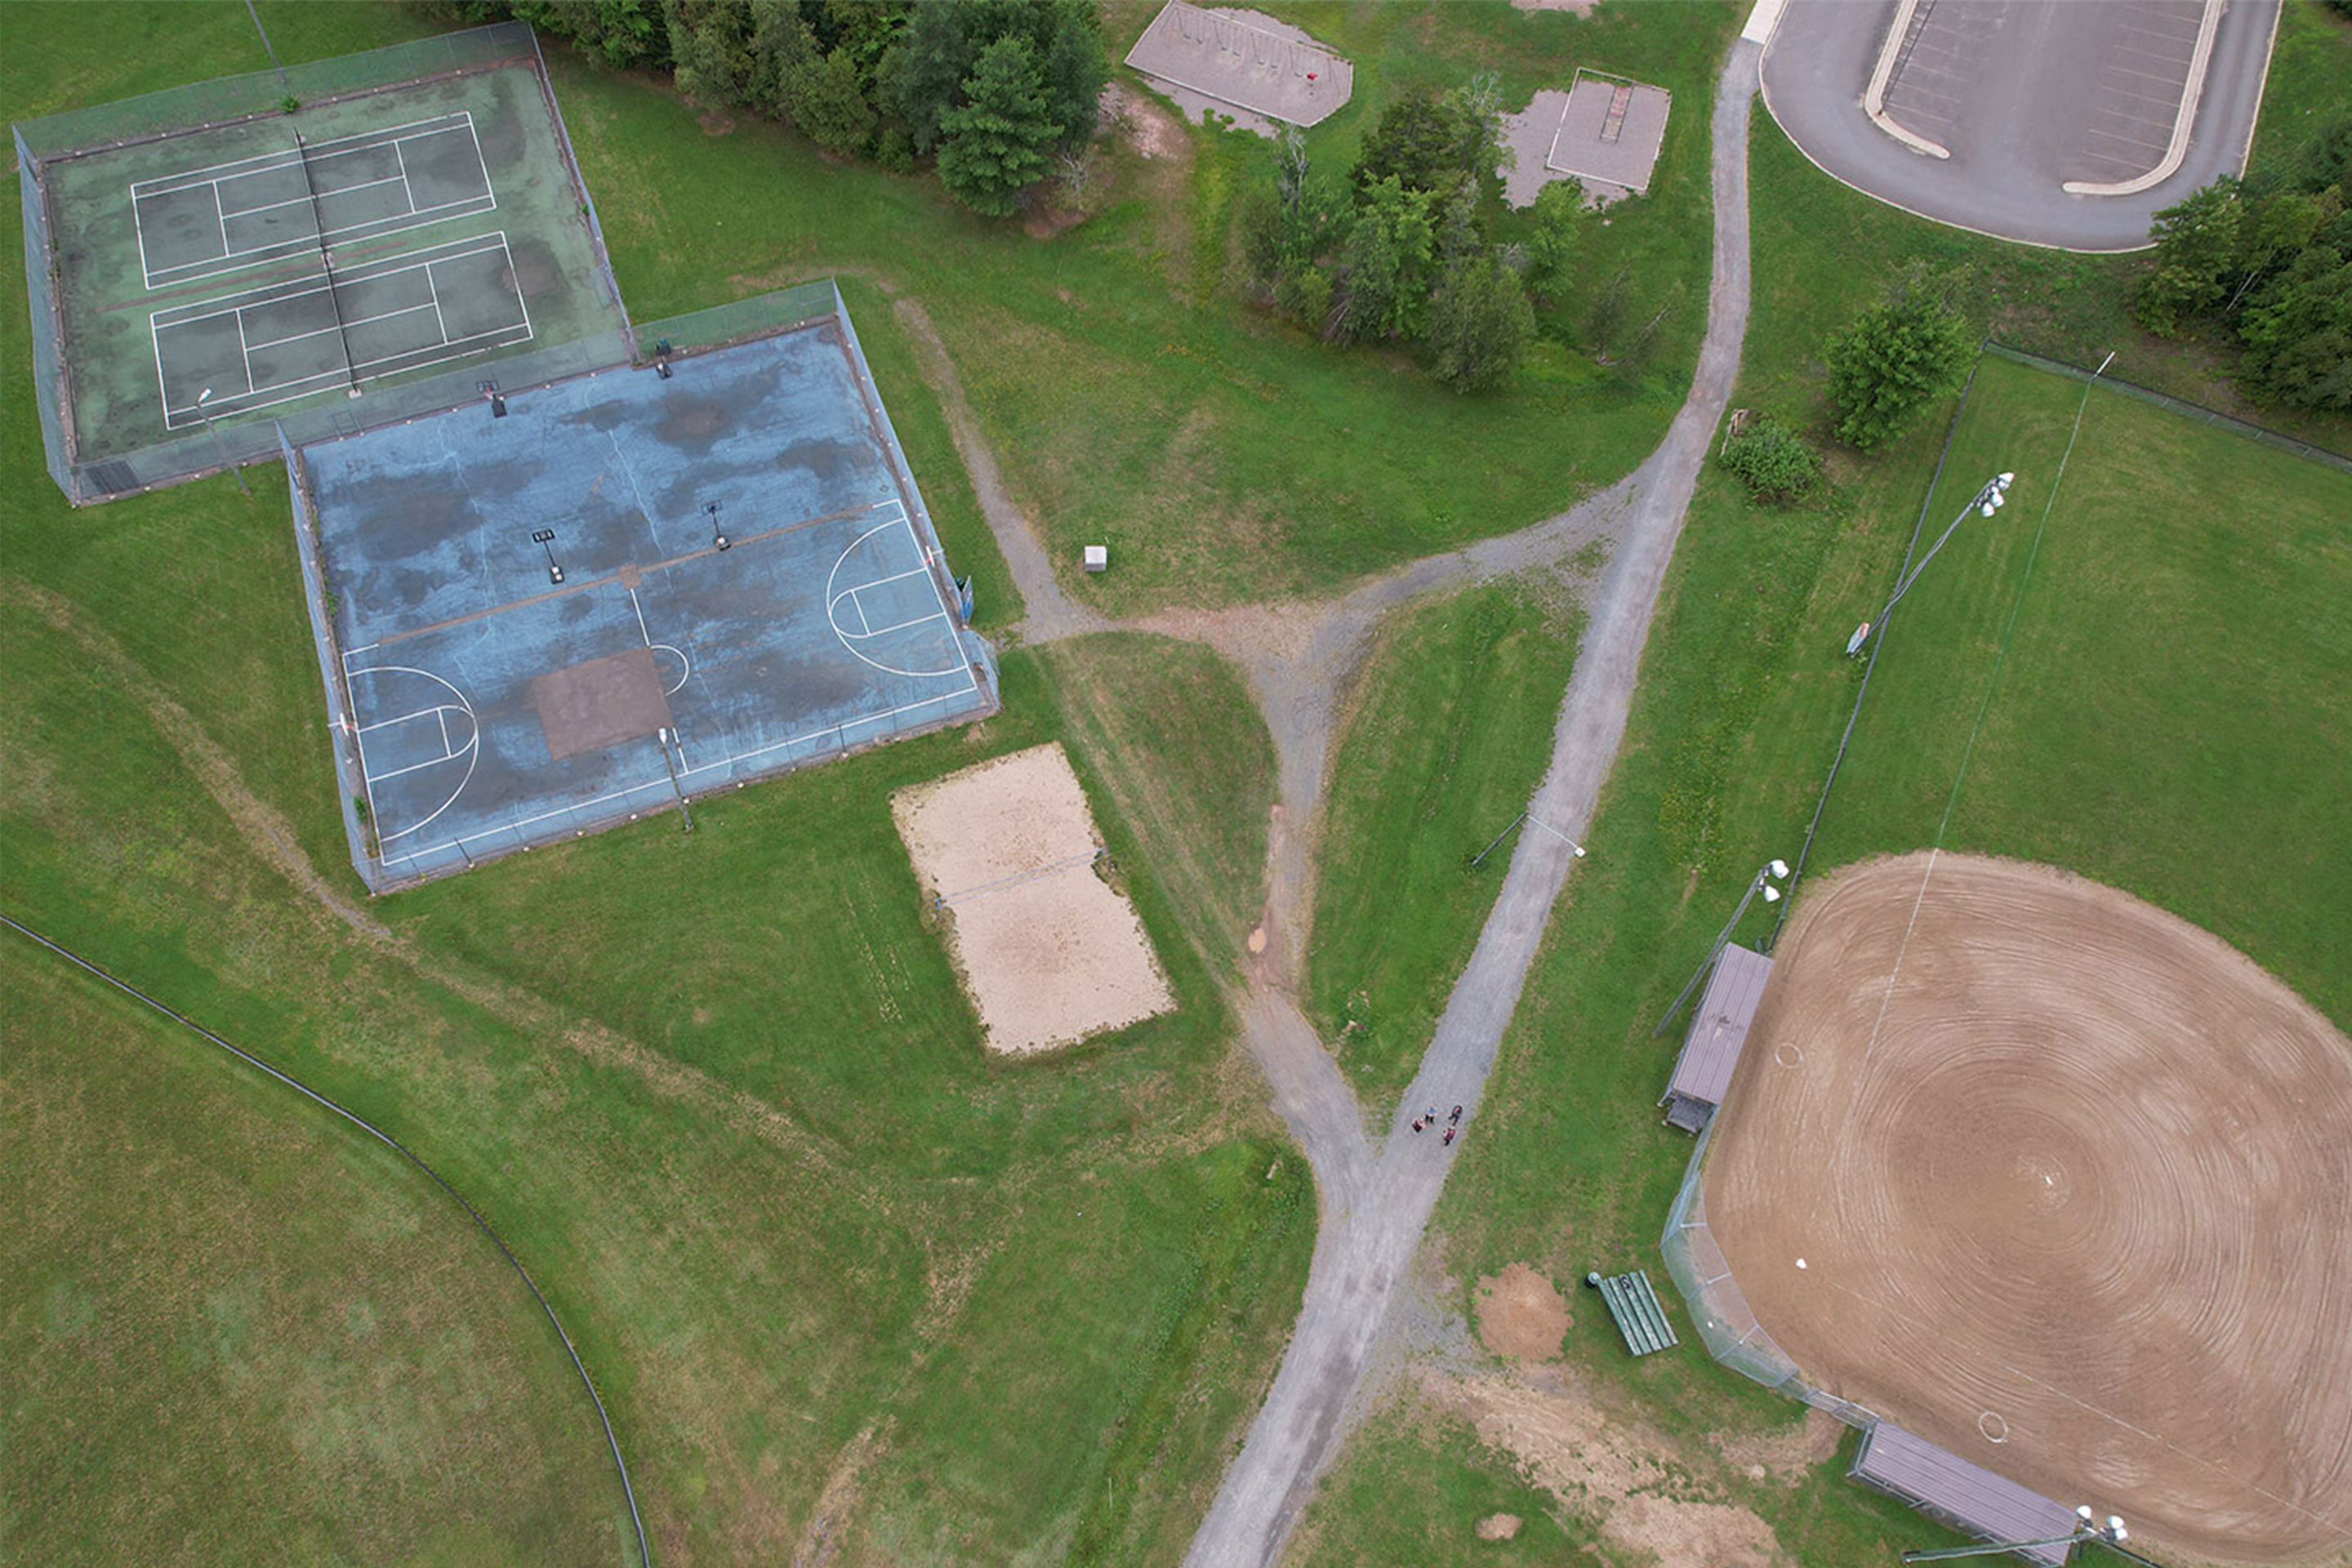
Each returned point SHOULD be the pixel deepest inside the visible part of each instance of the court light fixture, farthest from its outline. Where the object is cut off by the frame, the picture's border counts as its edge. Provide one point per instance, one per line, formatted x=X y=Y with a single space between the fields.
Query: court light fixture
x=545 y=539
x=717 y=534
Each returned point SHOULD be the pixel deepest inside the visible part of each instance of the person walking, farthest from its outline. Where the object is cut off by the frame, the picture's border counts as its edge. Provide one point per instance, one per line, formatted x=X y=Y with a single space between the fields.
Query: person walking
x=1449 y=1134
x=1456 y=1118
x=1416 y=1124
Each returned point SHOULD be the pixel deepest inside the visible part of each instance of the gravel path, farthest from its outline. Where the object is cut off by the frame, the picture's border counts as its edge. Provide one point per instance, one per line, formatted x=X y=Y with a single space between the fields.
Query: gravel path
x=1376 y=1202
x=1374 y=1211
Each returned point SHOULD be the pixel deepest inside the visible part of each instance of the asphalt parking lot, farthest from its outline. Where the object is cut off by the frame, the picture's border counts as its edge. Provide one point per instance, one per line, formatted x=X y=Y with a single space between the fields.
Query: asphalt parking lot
x=2024 y=97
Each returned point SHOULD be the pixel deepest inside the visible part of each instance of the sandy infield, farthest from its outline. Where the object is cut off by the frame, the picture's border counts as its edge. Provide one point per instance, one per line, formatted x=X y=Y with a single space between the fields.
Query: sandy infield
x=1050 y=952
x=2072 y=1181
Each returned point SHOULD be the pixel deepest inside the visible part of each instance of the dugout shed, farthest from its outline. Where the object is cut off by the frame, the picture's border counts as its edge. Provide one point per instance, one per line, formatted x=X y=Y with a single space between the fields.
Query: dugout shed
x=1719 y=1030
x=1938 y=1482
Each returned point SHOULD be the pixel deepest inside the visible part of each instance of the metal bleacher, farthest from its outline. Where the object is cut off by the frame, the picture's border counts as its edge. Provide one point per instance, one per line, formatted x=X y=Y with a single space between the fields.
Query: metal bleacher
x=1634 y=1306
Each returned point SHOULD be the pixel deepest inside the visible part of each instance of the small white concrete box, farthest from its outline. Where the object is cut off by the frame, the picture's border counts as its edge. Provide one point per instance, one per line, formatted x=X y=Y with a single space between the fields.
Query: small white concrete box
x=1097 y=557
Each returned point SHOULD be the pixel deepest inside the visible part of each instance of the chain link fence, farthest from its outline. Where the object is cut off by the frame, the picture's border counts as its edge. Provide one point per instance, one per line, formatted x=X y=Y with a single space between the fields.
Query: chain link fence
x=211 y=447
x=2165 y=400
x=204 y=104
x=1719 y=1311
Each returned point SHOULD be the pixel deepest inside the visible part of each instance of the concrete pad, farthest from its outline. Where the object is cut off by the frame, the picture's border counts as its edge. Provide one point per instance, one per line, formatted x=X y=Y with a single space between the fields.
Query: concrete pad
x=493 y=705
x=1243 y=63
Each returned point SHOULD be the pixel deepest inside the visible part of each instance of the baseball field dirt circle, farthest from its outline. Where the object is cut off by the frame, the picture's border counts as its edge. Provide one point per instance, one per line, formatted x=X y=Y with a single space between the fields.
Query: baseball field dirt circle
x=2072 y=1181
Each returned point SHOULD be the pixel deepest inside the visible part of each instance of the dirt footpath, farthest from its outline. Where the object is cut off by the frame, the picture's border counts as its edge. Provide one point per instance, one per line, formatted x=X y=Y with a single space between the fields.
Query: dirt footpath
x=2064 y=1183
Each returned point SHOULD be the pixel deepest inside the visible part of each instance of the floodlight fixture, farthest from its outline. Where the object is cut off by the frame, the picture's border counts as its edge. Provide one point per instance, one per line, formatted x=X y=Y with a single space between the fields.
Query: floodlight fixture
x=1772 y=894
x=2005 y=480
x=1779 y=868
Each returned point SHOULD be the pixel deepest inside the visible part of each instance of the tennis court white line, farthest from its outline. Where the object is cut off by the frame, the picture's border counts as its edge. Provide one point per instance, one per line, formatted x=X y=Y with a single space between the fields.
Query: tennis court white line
x=260 y=163
x=231 y=260
x=494 y=337
x=356 y=276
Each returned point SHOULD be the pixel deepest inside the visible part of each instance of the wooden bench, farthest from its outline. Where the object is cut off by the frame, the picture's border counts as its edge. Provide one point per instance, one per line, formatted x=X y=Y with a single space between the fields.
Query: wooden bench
x=1635 y=1307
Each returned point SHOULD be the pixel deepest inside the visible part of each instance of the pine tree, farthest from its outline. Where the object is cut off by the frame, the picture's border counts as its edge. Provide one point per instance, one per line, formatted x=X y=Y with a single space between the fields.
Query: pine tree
x=993 y=147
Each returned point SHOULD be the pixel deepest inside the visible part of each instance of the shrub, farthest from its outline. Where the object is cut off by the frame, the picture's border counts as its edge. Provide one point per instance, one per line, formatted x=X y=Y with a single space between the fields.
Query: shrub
x=1773 y=461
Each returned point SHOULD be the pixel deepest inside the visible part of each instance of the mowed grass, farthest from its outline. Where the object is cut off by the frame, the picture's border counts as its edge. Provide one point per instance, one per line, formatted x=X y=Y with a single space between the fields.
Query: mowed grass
x=2135 y=736
x=200 y=1273
x=2140 y=670
x=1450 y=731
x=1359 y=1515
x=1132 y=397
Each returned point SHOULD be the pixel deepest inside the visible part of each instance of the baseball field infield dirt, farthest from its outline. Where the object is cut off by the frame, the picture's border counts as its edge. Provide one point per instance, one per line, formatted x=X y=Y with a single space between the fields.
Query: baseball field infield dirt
x=2062 y=1183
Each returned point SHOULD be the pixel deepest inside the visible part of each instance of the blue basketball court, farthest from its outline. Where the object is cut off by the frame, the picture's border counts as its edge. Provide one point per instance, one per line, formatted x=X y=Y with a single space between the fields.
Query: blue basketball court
x=626 y=591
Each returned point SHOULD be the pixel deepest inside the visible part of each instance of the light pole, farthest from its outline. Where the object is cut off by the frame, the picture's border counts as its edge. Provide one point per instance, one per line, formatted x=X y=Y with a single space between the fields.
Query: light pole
x=2088 y=1532
x=1984 y=503
x=213 y=430
x=717 y=534
x=1770 y=872
x=1525 y=817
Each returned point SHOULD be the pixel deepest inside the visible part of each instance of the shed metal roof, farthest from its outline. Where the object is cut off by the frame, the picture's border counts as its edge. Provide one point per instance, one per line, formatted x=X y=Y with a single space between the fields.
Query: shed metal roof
x=1972 y=1497
x=1720 y=1028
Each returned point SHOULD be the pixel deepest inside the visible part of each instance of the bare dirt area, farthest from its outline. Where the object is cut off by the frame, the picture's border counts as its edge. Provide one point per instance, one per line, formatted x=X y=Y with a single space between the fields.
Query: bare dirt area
x=2062 y=1183
x=1521 y=1314
x=1050 y=952
x=1609 y=1470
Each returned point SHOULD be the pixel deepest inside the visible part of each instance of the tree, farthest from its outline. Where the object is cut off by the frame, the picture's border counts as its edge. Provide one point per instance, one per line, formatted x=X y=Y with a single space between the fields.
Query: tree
x=993 y=147
x=829 y=103
x=1385 y=265
x=1891 y=363
x=923 y=73
x=2196 y=244
x=711 y=42
x=1417 y=143
x=1551 y=246
x=2298 y=333
x=1772 y=460
x=1480 y=325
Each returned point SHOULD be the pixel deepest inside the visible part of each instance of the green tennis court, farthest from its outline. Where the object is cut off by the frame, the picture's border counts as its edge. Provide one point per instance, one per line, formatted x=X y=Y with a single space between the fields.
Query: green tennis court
x=264 y=264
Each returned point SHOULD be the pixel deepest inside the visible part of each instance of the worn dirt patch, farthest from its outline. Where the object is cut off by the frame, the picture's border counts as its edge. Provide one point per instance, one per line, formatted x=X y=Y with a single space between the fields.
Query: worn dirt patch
x=2068 y=1177
x=1608 y=1470
x=1499 y=1526
x=1050 y=952
x=1787 y=1454
x=1573 y=8
x=1521 y=1314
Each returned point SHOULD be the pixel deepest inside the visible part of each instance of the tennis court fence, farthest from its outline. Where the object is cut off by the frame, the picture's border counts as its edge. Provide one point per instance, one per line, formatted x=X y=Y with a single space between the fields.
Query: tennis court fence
x=40 y=143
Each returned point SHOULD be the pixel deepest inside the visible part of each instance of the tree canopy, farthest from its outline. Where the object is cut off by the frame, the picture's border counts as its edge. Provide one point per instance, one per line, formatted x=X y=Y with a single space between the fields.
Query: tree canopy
x=2270 y=266
x=1891 y=363
x=894 y=79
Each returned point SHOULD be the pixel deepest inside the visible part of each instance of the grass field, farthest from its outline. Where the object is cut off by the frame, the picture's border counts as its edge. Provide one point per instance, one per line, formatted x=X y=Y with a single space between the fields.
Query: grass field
x=2136 y=733
x=1450 y=732
x=1132 y=397
x=200 y=1278
x=723 y=1092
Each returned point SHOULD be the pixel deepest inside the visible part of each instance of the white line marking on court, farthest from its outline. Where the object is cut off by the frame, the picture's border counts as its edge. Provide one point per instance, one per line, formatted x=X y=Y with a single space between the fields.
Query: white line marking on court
x=685 y=673
x=472 y=752
x=303 y=386
x=842 y=729
x=844 y=635
x=641 y=618
x=210 y=177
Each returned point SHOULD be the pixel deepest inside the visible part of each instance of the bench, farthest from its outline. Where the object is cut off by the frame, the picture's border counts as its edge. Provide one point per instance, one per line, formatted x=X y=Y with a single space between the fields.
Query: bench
x=1640 y=1318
